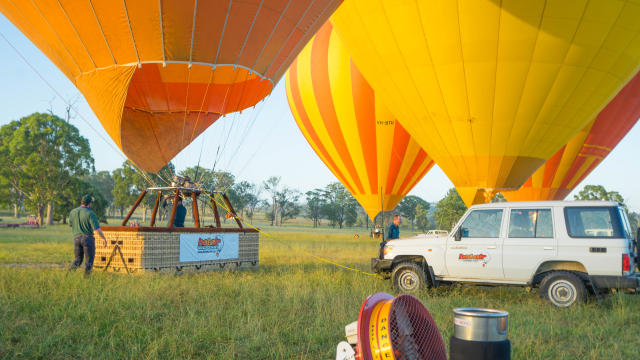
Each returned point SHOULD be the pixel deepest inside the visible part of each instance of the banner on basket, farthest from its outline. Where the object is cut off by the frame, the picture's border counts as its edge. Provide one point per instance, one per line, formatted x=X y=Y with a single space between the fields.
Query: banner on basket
x=203 y=247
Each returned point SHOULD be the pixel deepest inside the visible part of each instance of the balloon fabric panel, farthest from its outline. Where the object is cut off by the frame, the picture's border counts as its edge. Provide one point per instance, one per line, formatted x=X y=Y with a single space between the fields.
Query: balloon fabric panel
x=566 y=169
x=168 y=67
x=350 y=130
x=492 y=89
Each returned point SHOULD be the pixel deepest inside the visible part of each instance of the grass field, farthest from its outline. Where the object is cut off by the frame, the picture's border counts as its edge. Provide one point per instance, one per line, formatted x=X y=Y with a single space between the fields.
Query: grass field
x=291 y=307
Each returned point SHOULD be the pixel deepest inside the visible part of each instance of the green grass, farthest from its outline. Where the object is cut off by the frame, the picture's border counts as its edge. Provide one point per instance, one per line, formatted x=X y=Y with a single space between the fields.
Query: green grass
x=25 y=245
x=291 y=307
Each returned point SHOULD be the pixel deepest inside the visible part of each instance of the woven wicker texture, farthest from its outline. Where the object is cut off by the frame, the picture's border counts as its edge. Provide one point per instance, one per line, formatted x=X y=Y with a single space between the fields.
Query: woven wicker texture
x=161 y=250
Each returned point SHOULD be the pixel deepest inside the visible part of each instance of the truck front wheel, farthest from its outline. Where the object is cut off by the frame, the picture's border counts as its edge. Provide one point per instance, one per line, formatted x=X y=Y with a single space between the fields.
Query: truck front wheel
x=563 y=288
x=408 y=277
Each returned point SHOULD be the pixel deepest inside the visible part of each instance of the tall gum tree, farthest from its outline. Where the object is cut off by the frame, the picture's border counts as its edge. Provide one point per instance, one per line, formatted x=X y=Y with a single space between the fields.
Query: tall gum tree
x=40 y=153
x=449 y=210
x=408 y=207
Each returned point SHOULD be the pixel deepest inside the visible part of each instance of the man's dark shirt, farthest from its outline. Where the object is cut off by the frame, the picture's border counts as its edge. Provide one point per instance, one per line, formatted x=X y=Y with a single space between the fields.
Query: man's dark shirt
x=394 y=232
x=83 y=221
x=181 y=214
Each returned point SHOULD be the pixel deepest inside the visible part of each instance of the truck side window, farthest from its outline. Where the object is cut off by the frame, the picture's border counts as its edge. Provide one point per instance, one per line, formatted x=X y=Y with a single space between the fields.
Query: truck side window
x=593 y=222
x=482 y=224
x=625 y=223
x=530 y=223
x=544 y=224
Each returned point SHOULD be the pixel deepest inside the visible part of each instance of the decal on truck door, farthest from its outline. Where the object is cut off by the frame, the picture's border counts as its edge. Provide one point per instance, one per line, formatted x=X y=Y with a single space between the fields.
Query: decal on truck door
x=482 y=258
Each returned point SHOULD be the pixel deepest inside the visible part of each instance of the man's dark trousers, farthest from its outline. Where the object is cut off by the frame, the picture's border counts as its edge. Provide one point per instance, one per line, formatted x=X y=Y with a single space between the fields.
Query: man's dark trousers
x=84 y=246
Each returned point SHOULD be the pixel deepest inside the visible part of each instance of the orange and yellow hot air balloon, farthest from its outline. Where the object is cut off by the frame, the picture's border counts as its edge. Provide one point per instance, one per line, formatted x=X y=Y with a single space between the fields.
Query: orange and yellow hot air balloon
x=574 y=161
x=158 y=72
x=349 y=128
x=492 y=89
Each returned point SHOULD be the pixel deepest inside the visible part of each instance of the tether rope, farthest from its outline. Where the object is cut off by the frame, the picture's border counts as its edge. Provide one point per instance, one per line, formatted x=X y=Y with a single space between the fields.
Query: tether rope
x=295 y=249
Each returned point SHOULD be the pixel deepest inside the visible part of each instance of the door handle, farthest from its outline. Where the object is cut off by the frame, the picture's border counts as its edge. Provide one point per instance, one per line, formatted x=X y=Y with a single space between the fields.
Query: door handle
x=548 y=248
x=492 y=247
x=458 y=247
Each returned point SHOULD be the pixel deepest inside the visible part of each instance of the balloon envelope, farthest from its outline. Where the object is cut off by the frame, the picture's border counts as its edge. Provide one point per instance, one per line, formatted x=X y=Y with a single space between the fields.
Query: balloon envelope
x=349 y=128
x=492 y=89
x=158 y=73
x=564 y=171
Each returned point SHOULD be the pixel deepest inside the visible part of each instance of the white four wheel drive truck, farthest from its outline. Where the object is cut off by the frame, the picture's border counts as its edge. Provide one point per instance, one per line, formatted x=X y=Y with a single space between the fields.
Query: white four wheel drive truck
x=567 y=249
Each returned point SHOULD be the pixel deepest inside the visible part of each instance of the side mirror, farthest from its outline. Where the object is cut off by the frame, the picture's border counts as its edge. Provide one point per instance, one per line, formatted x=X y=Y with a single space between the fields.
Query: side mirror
x=458 y=234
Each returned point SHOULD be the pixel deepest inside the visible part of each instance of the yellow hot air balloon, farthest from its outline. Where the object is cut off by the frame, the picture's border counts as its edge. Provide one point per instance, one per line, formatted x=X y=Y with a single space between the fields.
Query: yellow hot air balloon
x=491 y=89
x=158 y=72
x=574 y=161
x=348 y=127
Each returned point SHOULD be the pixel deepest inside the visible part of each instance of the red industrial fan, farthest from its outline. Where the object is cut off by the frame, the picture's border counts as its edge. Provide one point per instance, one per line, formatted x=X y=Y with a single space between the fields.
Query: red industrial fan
x=391 y=328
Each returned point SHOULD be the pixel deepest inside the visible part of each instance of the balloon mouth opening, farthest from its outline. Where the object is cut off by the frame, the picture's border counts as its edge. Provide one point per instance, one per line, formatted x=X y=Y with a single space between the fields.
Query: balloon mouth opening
x=473 y=196
x=167 y=106
x=187 y=88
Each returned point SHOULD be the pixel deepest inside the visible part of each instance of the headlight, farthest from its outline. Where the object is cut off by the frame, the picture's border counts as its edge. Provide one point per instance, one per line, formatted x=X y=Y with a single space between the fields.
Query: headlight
x=387 y=249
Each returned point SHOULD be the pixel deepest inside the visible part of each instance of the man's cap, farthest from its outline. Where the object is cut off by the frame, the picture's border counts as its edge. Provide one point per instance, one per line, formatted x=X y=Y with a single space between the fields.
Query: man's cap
x=87 y=199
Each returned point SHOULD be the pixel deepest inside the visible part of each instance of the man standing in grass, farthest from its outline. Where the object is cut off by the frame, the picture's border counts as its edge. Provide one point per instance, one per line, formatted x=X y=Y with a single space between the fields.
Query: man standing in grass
x=394 y=228
x=84 y=222
x=392 y=234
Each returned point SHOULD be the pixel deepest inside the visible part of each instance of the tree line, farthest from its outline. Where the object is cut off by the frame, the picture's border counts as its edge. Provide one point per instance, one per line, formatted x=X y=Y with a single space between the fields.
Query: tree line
x=47 y=167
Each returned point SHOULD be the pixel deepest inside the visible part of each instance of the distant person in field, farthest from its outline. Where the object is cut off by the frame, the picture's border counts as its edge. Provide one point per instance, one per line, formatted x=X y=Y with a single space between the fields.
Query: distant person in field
x=181 y=214
x=392 y=234
x=84 y=222
x=394 y=228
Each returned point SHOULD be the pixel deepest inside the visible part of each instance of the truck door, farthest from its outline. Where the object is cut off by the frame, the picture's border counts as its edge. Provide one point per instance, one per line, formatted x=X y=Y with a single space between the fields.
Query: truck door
x=529 y=242
x=478 y=254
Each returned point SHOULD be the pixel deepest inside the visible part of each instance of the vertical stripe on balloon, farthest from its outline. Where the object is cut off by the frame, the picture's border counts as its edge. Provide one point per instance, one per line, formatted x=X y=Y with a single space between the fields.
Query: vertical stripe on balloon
x=348 y=127
x=570 y=165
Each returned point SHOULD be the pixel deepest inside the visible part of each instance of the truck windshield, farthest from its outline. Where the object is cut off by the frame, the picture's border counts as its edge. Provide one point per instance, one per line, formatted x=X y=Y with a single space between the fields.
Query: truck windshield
x=593 y=222
x=482 y=224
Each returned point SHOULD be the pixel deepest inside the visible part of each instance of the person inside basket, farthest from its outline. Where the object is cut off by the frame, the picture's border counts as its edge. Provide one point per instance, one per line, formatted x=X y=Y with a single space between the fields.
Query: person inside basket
x=181 y=214
x=84 y=223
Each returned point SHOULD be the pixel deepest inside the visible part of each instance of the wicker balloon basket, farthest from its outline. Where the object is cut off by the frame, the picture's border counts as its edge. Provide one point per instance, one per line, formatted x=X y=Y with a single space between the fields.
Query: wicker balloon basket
x=150 y=248
x=156 y=249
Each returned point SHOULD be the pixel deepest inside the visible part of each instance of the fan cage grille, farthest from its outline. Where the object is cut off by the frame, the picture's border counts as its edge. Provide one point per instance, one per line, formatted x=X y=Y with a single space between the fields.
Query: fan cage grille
x=414 y=333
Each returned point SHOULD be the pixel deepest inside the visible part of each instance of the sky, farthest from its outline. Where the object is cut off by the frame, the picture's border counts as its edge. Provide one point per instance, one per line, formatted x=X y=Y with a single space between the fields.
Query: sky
x=255 y=144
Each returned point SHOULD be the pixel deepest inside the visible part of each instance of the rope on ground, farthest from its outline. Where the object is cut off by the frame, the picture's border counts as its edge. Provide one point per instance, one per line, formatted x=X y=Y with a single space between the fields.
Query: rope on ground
x=330 y=261
x=319 y=258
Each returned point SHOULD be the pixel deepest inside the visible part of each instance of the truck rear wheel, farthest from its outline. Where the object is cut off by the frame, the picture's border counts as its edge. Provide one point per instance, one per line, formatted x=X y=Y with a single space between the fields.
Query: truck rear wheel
x=408 y=277
x=563 y=288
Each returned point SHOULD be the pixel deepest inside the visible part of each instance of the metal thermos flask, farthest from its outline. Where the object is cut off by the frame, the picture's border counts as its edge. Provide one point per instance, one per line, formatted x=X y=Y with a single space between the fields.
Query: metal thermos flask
x=480 y=334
